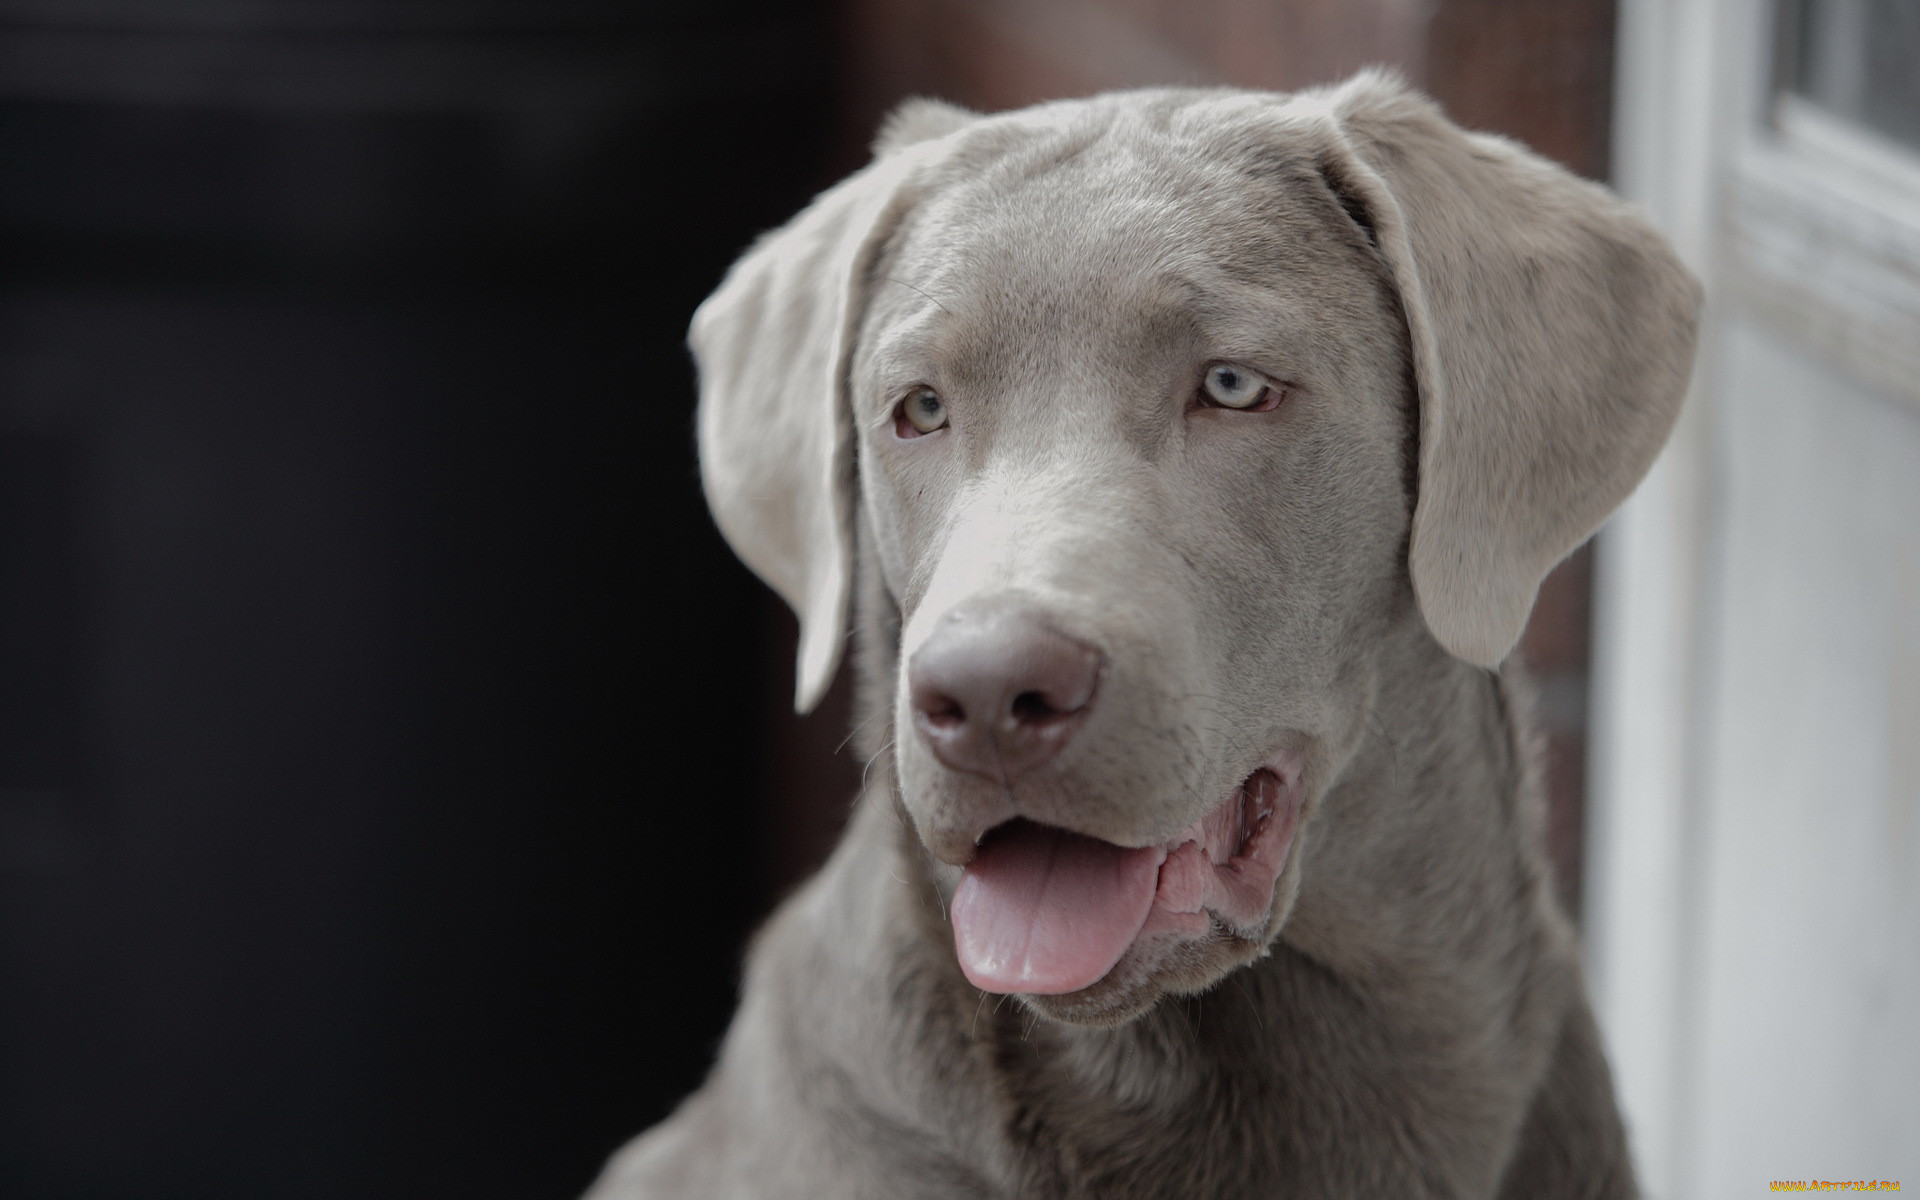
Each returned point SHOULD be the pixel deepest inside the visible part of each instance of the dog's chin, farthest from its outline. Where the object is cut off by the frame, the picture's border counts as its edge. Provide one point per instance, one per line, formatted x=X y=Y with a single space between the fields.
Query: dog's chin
x=1153 y=967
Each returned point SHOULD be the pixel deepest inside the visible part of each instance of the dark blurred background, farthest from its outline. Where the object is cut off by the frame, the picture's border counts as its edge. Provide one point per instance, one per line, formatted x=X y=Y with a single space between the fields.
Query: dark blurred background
x=392 y=757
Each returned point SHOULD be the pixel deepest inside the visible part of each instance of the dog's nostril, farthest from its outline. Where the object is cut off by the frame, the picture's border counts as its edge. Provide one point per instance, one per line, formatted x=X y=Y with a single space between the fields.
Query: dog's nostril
x=945 y=712
x=1031 y=708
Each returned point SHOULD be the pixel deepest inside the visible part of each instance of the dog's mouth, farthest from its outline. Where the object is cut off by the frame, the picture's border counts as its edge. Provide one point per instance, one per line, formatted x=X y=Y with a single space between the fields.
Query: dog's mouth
x=1044 y=911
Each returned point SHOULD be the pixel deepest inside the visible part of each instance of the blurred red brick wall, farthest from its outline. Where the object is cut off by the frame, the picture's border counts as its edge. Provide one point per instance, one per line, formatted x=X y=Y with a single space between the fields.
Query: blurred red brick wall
x=1537 y=70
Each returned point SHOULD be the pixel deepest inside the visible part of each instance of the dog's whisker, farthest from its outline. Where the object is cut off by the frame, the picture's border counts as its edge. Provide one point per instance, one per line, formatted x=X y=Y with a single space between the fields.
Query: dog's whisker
x=866 y=770
x=857 y=730
x=903 y=283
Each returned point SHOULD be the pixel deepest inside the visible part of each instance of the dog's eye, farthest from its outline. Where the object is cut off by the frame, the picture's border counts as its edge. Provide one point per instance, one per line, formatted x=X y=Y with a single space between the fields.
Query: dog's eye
x=1228 y=386
x=920 y=413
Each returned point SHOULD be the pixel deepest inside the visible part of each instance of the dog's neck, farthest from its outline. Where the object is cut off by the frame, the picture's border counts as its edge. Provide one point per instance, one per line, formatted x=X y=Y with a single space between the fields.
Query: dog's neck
x=1398 y=967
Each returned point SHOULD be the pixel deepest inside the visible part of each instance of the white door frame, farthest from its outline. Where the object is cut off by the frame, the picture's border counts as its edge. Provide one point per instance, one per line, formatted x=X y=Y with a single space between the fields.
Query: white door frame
x=1794 y=221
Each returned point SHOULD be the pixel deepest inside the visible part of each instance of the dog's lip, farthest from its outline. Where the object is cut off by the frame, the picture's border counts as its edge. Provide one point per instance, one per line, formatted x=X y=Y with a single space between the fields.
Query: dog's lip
x=1203 y=880
x=1283 y=767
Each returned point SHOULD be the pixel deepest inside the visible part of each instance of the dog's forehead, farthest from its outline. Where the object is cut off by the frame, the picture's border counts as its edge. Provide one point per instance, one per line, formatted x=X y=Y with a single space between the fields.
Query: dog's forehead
x=1129 y=230
x=1127 y=203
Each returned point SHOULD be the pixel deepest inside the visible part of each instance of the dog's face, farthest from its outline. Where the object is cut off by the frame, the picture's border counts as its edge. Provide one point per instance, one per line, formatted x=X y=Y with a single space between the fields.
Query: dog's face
x=1163 y=411
x=1134 y=451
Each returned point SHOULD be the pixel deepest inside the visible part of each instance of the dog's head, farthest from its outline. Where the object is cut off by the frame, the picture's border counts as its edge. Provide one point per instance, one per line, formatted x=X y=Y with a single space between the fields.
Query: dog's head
x=1166 y=410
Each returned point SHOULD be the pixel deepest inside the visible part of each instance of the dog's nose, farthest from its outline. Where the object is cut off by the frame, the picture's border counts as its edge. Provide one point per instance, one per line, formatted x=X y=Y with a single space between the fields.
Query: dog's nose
x=998 y=693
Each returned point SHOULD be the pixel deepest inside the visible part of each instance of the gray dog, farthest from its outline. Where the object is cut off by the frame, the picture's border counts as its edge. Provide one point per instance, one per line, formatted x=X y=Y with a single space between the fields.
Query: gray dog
x=1187 y=463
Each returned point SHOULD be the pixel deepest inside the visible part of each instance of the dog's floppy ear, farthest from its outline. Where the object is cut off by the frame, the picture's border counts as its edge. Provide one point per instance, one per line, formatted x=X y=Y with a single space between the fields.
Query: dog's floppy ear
x=1552 y=334
x=919 y=119
x=772 y=346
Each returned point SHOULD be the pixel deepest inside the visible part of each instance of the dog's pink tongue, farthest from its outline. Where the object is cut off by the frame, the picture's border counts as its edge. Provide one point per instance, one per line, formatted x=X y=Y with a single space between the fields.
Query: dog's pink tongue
x=1044 y=911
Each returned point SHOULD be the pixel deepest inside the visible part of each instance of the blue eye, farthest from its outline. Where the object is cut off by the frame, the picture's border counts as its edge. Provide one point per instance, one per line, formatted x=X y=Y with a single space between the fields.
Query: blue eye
x=921 y=412
x=1230 y=386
